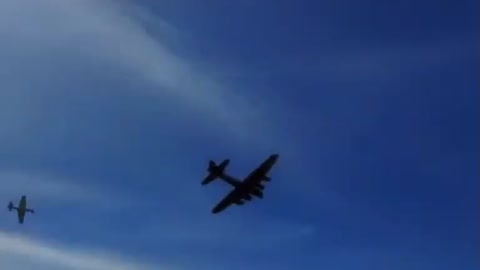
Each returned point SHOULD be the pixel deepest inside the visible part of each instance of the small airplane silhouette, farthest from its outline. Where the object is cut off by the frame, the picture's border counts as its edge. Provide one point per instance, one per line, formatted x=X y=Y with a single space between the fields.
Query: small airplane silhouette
x=21 y=209
x=251 y=185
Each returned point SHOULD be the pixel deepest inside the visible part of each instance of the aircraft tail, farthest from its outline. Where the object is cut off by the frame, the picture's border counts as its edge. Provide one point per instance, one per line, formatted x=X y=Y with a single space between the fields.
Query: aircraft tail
x=215 y=171
x=10 y=206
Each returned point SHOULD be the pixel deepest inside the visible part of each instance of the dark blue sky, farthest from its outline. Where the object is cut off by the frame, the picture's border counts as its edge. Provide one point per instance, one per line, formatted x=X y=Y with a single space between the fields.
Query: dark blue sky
x=111 y=112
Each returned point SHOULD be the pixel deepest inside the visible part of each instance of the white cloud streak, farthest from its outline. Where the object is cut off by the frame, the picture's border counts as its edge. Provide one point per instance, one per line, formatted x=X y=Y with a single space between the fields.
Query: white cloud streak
x=109 y=35
x=44 y=187
x=21 y=253
x=251 y=233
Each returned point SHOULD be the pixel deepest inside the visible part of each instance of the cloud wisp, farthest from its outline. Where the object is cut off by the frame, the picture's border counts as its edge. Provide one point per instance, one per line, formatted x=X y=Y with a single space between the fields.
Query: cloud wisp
x=108 y=35
x=45 y=187
x=24 y=254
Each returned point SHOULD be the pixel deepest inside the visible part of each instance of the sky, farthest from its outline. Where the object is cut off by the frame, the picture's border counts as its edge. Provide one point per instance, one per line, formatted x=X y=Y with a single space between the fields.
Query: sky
x=111 y=110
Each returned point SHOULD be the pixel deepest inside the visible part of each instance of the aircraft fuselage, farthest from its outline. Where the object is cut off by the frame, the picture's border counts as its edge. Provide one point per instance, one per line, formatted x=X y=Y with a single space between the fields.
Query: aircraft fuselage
x=243 y=190
x=21 y=209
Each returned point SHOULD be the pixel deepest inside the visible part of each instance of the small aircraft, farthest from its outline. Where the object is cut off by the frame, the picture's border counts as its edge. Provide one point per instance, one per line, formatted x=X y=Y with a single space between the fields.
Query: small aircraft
x=251 y=185
x=21 y=209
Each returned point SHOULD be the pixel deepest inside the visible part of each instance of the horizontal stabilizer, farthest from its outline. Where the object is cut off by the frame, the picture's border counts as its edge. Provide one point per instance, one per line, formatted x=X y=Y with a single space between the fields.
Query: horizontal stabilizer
x=10 y=206
x=215 y=171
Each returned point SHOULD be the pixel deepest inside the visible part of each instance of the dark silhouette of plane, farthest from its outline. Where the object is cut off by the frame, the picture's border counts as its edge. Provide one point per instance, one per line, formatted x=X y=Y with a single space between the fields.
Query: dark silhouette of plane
x=21 y=209
x=243 y=190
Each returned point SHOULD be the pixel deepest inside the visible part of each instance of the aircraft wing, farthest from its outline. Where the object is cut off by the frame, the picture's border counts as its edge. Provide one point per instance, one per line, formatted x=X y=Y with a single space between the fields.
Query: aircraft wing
x=260 y=173
x=21 y=216
x=23 y=202
x=233 y=197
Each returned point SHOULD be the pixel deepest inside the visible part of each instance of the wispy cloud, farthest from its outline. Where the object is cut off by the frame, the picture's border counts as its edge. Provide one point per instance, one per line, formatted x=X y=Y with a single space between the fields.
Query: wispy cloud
x=109 y=35
x=363 y=63
x=229 y=233
x=45 y=187
x=18 y=252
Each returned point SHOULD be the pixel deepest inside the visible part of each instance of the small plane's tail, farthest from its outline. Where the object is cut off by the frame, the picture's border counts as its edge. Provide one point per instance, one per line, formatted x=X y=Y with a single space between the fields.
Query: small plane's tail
x=215 y=171
x=10 y=206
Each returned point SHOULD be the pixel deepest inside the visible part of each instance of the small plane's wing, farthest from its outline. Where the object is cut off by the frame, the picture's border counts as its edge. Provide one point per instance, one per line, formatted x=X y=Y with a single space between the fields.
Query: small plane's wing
x=23 y=202
x=21 y=216
x=260 y=173
x=231 y=198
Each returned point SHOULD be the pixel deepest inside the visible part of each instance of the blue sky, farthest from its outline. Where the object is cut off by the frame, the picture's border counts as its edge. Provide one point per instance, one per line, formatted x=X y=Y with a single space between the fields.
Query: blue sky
x=110 y=111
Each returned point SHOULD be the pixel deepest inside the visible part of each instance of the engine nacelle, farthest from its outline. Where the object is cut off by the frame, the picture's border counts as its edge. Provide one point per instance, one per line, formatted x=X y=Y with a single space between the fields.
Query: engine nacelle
x=247 y=197
x=239 y=202
x=257 y=193
x=260 y=186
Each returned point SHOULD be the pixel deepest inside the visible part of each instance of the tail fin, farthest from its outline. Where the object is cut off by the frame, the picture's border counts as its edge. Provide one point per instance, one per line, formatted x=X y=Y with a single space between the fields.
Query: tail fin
x=215 y=171
x=10 y=206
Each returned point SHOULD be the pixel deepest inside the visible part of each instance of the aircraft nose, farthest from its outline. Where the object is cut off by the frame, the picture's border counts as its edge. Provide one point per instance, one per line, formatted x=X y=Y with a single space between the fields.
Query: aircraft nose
x=275 y=156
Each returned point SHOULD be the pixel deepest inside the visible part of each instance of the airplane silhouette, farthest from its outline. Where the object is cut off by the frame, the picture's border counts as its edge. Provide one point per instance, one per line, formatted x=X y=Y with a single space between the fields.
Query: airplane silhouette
x=21 y=209
x=251 y=185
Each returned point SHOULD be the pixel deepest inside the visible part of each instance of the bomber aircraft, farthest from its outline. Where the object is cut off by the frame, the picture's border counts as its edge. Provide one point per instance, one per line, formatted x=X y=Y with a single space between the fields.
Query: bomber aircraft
x=21 y=209
x=251 y=185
